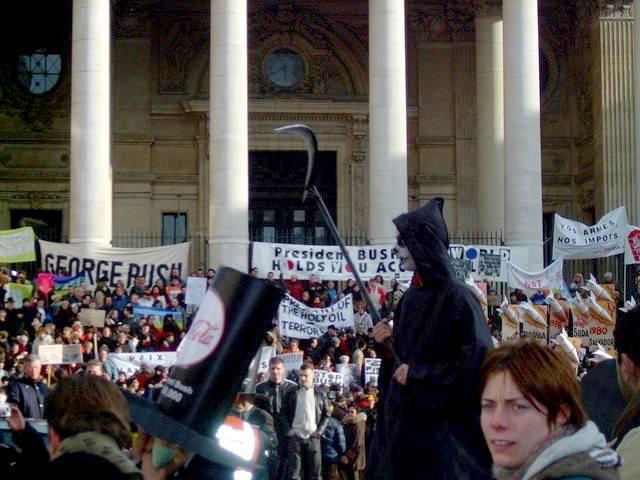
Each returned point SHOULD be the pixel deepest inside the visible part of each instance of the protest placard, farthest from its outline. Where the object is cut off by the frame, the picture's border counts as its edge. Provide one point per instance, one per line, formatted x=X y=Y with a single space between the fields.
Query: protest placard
x=320 y=377
x=534 y=322
x=266 y=353
x=297 y=320
x=292 y=361
x=196 y=288
x=17 y=245
x=19 y=292
x=529 y=282
x=60 y=354
x=580 y=322
x=510 y=323
x=558 y=319
x=130 y=363
x=349 y=372
x=372 y=371
x=158 y=316
x=90 y=317
x=601 y=324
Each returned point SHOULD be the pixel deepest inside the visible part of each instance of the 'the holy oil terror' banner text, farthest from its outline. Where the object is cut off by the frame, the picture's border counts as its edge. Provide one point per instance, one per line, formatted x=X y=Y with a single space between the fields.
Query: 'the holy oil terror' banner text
x=296 y=320
x=124 y=264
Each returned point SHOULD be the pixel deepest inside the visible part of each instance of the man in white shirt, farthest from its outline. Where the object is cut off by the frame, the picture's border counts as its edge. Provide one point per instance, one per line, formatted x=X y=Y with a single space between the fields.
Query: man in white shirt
x=307 y=414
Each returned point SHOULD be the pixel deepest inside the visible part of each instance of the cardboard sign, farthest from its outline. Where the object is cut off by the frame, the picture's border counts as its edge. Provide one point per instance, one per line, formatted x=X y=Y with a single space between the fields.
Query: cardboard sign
x=349 y=372
x=556 y=321
x=292 y=361
x=266 y=353
x=372 y=371
x=130 y=363
x=320 y=377
x=600 y=328
x=60 y=354
x=511 y=329
x=92 y=318
x=531 y=328
x=196 y=288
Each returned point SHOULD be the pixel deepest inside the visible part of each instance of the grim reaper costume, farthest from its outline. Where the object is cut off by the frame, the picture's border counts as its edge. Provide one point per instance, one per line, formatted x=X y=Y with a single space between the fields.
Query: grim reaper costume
x=430 y=428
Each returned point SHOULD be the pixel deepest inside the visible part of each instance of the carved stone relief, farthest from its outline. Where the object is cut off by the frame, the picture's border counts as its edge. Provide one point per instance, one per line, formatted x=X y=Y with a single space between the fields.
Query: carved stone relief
x=180 y=41
x=442 y=23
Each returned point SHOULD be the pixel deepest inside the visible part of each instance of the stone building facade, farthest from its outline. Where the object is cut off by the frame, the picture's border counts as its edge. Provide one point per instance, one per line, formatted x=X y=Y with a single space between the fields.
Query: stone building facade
x=308 y=62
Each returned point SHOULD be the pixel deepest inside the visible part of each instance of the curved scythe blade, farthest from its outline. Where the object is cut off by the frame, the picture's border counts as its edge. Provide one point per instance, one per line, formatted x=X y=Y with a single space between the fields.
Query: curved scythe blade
x=311 y=144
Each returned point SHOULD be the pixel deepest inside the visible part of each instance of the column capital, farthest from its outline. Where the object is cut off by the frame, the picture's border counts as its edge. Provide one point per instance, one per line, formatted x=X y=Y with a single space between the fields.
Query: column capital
x=614 y=8
x=488 y=8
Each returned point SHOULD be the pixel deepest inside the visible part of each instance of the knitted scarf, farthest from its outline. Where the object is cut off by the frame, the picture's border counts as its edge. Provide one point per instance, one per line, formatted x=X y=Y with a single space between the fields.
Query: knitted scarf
x=502 y=473
x=100 y=445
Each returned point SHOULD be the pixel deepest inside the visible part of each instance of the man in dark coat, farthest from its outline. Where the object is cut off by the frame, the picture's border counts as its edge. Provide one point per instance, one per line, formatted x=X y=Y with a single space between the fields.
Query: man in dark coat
x=429 y=417
x=29 y=392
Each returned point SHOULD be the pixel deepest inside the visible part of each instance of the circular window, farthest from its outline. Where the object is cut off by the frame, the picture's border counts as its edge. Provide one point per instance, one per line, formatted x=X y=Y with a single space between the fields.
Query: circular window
x=39 y=72
x=284 y=67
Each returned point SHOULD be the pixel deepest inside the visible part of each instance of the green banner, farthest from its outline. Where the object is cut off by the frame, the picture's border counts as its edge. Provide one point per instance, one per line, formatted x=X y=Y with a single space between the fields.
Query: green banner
x=17 y=245
x=19 y=292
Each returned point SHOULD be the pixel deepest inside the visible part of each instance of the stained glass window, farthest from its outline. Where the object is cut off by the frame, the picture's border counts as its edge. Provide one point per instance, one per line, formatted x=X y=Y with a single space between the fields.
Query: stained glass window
x=39 y=72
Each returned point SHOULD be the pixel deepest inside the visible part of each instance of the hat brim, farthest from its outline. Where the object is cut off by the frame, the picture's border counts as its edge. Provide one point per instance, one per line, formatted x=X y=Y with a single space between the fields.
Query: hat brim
x=156 y=423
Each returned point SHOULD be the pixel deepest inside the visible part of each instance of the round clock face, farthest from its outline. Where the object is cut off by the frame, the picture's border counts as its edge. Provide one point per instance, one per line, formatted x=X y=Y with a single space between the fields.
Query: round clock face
x=284 y=67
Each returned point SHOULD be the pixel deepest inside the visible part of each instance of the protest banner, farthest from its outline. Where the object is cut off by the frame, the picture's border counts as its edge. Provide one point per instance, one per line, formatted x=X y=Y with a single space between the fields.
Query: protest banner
x=62 y=283
x=17 y=245
x=632 y=246
x=580 y=314
x=297 y=320
x=602 y=321
x=372 y=371
x=320 y=377
x=349 y=372
x=60 y=354
x=292 y=361
x=19 y=292
x=265 y=354
x=529 y=282
x=124 y=264
x=196 y=288
x=483 y=262
x=558 y=319
x=130 y=363
x=534 y=322
x=158 y=316
x=510 y=323
x=90 y=317
x=575 y=240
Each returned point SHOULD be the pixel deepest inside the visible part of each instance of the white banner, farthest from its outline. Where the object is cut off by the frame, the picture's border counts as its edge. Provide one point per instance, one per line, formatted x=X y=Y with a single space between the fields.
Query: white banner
x=575 y=240
x=292 y=361
x=326 y=262
x=320 y=377
x=115 y=263
x=372 y=370
x=130 y=363
x=296 y=320
x=529 y=282
x=196 y=288
x=632 y=245
x=17 y=245
x=265 y=354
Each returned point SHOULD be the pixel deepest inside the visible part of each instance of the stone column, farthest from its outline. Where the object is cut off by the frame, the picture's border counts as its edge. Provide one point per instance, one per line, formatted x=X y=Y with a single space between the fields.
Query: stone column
x=388 y=189
x=490 y=119
x=228 y=136
x=522 y=147
x=90 y=170
x=634 y=217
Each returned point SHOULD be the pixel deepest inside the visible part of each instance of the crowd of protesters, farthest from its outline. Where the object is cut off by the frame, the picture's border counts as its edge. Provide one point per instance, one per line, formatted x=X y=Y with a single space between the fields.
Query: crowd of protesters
x=332 y=443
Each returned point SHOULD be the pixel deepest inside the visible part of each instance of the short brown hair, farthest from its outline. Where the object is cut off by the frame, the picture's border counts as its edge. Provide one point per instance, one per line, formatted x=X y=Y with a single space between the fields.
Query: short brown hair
x=543 y=376
x=88 y=403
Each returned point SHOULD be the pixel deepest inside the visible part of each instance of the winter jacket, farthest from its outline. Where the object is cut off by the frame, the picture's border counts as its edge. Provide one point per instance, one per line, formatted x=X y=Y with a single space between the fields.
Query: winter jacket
x=322 y=413
x=629 y=450
x=28 y=396
x=441 y=333
x=277 y=395
x=584 y=454
x=354 y=432
x=333 y=441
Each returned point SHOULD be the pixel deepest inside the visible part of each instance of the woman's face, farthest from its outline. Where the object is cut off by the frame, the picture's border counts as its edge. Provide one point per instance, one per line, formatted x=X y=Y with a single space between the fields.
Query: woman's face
x=512 y=426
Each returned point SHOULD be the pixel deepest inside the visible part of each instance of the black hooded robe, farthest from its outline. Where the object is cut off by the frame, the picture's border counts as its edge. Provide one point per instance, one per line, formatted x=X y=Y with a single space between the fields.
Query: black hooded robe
x=430 y=428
